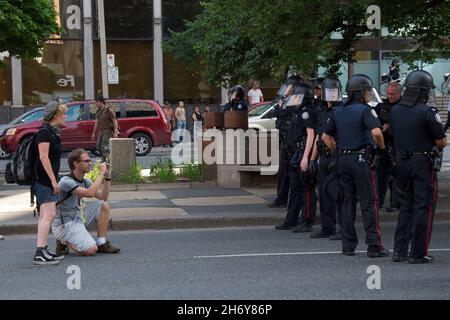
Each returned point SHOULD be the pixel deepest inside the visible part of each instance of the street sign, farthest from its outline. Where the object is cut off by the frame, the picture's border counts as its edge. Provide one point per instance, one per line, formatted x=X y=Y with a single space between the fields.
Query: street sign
x=110 y=59
x=113 y=75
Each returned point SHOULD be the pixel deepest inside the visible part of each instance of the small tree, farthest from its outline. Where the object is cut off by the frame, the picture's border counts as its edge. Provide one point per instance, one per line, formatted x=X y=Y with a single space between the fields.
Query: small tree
x=25 y=25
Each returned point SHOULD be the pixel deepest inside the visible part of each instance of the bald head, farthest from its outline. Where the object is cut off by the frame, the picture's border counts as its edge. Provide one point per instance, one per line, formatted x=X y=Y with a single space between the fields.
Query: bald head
x=394 y=92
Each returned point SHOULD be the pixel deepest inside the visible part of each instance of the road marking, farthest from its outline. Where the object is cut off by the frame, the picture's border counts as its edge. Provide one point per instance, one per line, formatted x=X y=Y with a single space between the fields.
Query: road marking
x=286 y=254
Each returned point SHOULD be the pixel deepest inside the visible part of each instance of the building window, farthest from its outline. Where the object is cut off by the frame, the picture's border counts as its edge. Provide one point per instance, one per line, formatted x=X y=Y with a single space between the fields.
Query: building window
x=59 y=73
x=131 y=19
x=135 y=62
x=5 y=80
x=175 y=12
x=181 y=84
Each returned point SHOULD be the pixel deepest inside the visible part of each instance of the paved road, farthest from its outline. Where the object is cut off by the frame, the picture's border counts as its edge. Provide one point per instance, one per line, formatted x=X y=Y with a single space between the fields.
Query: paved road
x=238 y=263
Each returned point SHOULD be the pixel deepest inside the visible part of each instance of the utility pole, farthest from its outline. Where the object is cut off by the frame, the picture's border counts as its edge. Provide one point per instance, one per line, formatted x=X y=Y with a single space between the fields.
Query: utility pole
x=102 y=35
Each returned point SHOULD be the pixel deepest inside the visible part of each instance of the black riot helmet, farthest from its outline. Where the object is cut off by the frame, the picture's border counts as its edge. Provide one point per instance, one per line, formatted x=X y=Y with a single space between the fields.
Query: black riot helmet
x=331 y=90
x=419 y=79
x=318 y=82
x=356 y=87
x=418 y=86
x=237 y=93
x=302 y=94
x=289 y=85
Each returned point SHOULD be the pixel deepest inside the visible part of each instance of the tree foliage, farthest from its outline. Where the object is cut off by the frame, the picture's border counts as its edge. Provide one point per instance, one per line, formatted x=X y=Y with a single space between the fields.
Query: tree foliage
x=25 y=25
x=243 y=39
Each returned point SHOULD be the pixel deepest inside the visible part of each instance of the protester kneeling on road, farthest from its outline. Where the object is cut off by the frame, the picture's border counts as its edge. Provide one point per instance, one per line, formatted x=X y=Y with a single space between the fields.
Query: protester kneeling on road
x=74 y=214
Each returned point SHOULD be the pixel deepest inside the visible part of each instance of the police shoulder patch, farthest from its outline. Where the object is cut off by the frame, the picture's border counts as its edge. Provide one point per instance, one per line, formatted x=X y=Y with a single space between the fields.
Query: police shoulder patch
x=374 y=113
x=438 y=118
x=305 y=115
x=434 y=110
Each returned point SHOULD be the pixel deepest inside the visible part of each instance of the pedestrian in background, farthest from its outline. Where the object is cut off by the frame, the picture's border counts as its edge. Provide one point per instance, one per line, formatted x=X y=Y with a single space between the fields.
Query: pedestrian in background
x=197 y=115
x=105 y=128
x=170 y=116
x=255 y=94
x=208 y=110
x=180 y=115
x=48 y=150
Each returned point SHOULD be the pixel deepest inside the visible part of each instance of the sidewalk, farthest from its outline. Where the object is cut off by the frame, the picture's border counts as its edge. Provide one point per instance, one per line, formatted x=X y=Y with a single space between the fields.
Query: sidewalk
x=197 y=206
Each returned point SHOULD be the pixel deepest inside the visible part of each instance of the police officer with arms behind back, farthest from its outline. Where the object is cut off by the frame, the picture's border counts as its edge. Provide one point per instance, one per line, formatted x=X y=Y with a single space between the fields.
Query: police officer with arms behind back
x=356 y=126
x=419 y=138
x=284 y=114
x=300 y=139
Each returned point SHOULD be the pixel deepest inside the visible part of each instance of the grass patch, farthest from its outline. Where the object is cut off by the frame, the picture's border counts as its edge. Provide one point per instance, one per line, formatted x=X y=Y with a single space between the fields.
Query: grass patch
x=193 y=172
x=163 y=171
x=132 y=176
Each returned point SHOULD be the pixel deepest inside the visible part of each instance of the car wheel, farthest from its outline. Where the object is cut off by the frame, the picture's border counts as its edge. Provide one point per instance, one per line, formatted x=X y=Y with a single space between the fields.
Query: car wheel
x=4 y=154
x=143 y=144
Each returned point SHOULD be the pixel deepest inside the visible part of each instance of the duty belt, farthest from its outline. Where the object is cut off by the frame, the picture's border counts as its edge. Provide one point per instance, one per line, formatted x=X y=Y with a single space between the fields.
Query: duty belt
x=347 y=152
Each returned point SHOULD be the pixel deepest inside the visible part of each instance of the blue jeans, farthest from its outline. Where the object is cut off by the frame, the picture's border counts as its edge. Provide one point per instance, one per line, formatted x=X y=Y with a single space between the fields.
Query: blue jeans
x=181 y=126
x=44 y=194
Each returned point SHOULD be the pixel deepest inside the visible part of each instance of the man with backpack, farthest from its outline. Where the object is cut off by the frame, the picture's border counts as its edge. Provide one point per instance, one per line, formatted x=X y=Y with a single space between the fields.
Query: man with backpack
x=105 y=128
x=44 y=157
x=74 y=214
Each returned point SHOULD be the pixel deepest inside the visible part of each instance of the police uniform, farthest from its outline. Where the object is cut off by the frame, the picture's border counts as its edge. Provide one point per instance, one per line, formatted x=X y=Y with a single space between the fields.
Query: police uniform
x=415 y=129
x=299 y=193
x=240 y=105
x=328 y=206
x=386 y=167
x=352 y=124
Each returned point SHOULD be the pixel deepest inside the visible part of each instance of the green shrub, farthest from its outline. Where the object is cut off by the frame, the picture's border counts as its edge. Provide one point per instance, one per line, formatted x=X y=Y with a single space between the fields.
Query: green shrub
x=193 y=172
x=133 y=175
x=94 y=173
x=163 y=170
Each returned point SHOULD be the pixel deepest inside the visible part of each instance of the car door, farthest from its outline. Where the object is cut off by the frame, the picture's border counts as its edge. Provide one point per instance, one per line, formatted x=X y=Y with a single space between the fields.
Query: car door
x=71 y=133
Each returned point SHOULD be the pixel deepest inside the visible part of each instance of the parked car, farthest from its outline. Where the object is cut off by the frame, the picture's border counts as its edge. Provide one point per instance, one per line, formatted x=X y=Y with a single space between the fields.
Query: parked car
x=261 y=117
x=142 y=120
x=30 y=116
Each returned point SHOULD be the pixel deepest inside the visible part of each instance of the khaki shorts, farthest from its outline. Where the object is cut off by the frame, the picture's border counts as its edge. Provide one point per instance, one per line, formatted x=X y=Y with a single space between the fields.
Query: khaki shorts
x=74 y=232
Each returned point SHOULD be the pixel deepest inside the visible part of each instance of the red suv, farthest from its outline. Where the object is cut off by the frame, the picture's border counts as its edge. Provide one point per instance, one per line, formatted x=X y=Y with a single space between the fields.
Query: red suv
x=142 y=120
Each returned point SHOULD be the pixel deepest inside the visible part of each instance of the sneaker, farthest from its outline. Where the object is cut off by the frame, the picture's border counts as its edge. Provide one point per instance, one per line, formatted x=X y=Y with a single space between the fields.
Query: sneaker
x=303 y=229
x=43 y=258
x=1 y=237
x=348 y=253
x=320 y=235
x=55 y=256
x=393 y=209
x=61 y=249
x=107 y=248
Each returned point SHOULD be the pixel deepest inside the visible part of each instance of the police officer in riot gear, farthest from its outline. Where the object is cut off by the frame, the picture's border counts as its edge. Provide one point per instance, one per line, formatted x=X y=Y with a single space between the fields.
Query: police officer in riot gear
x=330 y=97
x=386 y=167
x=356 y=126
x=300 y=139
x=237 y=99
x=284 y=114
x=418 y=138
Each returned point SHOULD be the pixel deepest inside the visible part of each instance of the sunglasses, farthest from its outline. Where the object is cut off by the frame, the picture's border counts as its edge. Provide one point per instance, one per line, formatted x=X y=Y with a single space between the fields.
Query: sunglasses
x=86 y=161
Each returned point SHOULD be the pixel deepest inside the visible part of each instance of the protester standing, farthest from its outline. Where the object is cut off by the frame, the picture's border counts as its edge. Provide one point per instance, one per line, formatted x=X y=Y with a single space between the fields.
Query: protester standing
x=48 y=150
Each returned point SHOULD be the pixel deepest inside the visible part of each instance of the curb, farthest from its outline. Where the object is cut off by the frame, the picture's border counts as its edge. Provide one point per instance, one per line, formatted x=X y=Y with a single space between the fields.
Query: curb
x=206 y=222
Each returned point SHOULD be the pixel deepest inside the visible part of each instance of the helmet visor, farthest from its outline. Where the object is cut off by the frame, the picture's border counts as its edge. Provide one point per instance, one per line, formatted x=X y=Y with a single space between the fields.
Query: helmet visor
x=331 y=94
x=294 y=100
x=374 y=98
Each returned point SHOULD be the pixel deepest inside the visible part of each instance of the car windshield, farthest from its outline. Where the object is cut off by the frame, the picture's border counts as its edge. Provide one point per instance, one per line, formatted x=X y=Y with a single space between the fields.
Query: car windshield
x=260 y=110
x=30 y=117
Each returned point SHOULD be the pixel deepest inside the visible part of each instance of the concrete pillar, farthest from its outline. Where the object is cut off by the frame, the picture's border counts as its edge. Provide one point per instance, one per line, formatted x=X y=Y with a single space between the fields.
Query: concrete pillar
x=16 y=74
x=88 y=45
x=122 y=156
x=224 y=94
x=158 y=75
x=102 y=36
